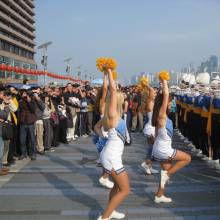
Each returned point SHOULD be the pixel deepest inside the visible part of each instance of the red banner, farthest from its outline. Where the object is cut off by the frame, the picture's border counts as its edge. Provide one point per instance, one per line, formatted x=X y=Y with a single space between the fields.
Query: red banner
x=19 y=70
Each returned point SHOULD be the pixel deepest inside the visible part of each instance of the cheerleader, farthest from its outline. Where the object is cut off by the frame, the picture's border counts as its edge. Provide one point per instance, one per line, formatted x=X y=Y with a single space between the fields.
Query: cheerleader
x=149 y=132
x=102 y=138
x=111 y=155
x=162 y=148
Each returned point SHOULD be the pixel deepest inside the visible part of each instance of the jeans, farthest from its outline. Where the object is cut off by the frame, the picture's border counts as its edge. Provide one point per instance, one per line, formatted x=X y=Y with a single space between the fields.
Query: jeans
x=1 y=151
x=27 y=134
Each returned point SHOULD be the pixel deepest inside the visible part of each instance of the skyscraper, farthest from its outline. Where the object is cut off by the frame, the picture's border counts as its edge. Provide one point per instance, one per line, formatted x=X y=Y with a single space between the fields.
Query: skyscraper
x=17 y=37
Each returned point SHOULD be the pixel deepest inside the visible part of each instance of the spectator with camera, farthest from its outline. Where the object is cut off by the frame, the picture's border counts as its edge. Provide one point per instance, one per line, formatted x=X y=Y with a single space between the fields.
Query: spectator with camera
x=14 y=142
x=39 y=127
x=72 y=100
x=8 y=127
x=55 y=97
x=27 y=119
x=4 y=113
x=91 y=96
x=83 y=116
x=7 y=134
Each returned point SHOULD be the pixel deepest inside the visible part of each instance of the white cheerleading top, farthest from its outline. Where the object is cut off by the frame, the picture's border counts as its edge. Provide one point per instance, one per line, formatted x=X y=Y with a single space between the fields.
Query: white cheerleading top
x=149 y=130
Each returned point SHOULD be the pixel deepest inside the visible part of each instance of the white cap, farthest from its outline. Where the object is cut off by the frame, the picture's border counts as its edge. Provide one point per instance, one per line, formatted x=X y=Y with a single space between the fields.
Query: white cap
x=192 y=80
x=203 y=78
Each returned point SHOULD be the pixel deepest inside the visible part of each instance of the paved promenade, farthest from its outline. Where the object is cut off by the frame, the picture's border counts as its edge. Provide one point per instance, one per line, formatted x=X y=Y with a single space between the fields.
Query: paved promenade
x=64 y=185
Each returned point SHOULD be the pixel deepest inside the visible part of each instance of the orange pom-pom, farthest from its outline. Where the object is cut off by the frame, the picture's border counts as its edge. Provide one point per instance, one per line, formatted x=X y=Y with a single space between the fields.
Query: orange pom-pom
x=164 y=75
x=114 y=75
x=111 y=63
x=100 y=64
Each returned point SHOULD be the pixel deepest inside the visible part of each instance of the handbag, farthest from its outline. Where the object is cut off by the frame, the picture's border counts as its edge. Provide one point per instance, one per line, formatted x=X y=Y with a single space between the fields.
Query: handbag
x=7 y=131
x=54 y=119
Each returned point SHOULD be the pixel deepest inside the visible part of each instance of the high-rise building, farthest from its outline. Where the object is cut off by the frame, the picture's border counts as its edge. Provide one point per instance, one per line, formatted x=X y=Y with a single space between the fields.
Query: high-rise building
x=17 y=37
x=211 y=65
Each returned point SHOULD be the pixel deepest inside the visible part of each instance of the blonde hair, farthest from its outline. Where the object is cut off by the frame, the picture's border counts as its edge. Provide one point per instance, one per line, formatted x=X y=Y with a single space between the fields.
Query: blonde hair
x=119 y=108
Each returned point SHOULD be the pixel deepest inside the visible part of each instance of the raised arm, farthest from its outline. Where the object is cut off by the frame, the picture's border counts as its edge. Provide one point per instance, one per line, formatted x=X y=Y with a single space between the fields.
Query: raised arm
x=125 y=110
x=163 y=109
x=150 y=99
x=113 y=96
x=97 y=128
x=104 y=94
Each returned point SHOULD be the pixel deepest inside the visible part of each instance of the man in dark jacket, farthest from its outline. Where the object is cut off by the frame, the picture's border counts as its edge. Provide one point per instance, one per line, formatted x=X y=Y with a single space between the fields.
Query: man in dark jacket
x=27 y=119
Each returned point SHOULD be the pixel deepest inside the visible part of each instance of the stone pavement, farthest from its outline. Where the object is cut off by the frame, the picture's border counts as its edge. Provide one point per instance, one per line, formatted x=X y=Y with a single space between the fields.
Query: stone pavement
x=64 y=185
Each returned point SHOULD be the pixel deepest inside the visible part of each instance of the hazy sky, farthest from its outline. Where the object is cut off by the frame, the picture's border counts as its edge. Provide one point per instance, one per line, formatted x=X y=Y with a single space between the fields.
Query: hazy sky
x=142 y=35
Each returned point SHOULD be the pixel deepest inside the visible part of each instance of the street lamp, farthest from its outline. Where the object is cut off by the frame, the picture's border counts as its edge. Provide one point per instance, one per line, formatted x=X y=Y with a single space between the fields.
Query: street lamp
x=79 y=72
x=44 y=58
x=67 y=61
x=85 y=75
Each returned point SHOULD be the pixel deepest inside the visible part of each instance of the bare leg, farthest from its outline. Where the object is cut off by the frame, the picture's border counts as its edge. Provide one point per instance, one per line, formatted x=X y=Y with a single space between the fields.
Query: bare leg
x=165 y=166
x=113 y=191
x=105 y=175
x=148 y=162
x=116 y=198
x=150 y=142
x=182 y=160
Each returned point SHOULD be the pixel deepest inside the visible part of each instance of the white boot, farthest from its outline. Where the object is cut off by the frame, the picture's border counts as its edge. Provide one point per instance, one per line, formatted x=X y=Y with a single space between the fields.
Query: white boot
x=163 y=199
x=205 y=158
x=154 y=171
x=146 y=167
x=164 y=178
x=117 y=215
x=106 y=182
x=217 y=166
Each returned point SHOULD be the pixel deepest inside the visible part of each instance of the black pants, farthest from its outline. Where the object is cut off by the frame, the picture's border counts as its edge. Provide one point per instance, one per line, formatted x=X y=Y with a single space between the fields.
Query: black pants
x=172 y=116
x=215 y=136
x=83 y=123
x=77 y=126
x=96 y=118
x=55 y=135
x=63 y=130
x=204 y=136
x=48 y=134
x=197 y=130
x=14 y=145
x=190 y=125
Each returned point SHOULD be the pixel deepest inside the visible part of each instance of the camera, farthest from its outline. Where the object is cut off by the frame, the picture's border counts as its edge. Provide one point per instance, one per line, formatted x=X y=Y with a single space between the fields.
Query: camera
x=88 y=88
x=30 y=94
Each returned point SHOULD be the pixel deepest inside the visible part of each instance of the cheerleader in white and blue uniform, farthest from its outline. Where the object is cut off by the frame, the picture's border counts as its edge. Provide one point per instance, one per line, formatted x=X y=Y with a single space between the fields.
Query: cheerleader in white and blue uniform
x=101 y=137
x=149 y=132
x=162 y=148
x=111 y=155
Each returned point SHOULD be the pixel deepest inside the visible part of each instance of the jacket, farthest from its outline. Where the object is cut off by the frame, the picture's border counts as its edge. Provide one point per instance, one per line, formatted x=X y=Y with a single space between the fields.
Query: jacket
x=26 y=112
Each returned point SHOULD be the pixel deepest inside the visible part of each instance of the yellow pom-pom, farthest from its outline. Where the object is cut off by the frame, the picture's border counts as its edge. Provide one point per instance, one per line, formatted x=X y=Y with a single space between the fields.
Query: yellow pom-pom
x=164 y=75
x=139 y=87
x=100 y=64
x=143 y=80
x=110 y=63
x=114 y=75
